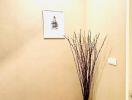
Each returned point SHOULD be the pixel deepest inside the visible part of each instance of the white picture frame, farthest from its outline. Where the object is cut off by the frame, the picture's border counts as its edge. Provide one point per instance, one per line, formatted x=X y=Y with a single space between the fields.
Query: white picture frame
x=53 y=24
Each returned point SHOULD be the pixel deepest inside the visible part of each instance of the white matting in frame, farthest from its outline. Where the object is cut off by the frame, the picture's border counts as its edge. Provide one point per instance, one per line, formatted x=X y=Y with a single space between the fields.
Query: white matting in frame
x=53 y=24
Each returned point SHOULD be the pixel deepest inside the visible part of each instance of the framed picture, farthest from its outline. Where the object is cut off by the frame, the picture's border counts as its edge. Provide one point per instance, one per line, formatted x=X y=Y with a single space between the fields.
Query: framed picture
x=53 y=24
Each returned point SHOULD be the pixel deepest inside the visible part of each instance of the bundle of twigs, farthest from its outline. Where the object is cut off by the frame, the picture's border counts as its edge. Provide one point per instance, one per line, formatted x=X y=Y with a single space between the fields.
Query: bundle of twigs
x=86 y=54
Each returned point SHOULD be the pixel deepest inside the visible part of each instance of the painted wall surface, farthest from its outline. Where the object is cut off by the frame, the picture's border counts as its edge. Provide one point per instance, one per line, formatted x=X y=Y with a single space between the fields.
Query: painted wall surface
x=130 y=68
x=32 y=68
x=108 y=18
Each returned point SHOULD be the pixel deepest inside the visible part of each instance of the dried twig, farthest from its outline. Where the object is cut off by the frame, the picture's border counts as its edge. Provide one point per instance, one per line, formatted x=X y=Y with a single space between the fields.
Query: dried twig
x=85 y=53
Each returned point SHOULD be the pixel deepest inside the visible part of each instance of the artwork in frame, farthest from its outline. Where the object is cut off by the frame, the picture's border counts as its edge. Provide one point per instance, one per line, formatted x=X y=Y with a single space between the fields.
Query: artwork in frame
x=53 y=24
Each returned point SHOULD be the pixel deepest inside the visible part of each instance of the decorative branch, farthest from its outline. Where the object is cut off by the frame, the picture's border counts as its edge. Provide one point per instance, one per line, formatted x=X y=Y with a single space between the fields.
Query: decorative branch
x=85 y=54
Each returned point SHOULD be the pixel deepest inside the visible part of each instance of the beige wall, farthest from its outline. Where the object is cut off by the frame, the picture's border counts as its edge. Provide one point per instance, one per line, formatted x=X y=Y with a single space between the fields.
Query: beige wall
x=32 y=68
x=130 y=76
x=108 y=17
